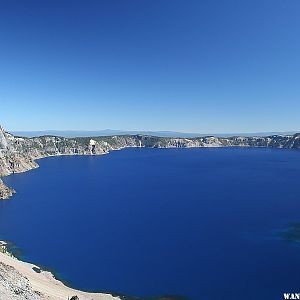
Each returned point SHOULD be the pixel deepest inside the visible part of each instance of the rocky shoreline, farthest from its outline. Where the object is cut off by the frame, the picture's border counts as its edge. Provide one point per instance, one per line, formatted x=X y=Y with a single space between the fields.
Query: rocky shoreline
x=19 y=154
x=20 y=280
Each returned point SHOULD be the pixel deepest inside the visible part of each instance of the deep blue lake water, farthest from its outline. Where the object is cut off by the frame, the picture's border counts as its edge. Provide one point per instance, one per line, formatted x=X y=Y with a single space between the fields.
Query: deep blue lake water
x=199 y=223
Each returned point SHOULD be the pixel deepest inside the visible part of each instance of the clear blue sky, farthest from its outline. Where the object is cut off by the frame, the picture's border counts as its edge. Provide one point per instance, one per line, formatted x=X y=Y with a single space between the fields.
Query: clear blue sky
x=190 y=65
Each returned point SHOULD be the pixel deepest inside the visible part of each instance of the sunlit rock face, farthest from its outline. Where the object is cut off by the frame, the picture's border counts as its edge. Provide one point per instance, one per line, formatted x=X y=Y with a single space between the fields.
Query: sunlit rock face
x=3 y=141
x=5 y=192
x=18 y=154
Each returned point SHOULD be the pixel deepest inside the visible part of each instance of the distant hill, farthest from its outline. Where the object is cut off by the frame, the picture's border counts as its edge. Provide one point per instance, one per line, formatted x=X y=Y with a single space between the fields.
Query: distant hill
x=110 y=132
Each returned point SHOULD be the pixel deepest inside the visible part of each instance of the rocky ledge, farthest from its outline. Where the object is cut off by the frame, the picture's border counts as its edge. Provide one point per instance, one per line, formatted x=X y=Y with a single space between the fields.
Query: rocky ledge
x=19 y=154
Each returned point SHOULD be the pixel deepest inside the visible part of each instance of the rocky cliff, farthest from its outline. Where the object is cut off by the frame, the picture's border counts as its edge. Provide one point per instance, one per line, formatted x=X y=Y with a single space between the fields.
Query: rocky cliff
x=19 y=154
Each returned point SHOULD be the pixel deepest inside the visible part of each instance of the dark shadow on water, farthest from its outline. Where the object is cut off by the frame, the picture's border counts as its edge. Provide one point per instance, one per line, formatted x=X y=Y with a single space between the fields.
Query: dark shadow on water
x=291 y=233
x=14 y=250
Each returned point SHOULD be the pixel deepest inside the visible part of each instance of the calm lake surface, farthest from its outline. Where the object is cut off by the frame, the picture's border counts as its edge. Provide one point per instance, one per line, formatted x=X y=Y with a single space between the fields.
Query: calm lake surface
x=198 y=223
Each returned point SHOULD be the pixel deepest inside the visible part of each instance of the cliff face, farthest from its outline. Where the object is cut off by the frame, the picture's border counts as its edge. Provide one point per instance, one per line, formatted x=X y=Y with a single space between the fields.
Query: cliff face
x=18 y=154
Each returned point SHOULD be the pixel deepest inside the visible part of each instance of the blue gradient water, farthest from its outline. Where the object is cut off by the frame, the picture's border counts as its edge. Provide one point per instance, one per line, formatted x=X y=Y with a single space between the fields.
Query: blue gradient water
x=199 y=223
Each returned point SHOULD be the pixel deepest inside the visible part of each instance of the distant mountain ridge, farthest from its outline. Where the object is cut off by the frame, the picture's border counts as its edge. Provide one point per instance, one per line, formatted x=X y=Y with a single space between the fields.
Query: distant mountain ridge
x=163 y=133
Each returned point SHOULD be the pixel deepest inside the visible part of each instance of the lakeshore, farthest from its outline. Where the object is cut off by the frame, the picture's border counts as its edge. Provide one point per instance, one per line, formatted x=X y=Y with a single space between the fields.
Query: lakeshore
x=27 y=281
x=19 y=154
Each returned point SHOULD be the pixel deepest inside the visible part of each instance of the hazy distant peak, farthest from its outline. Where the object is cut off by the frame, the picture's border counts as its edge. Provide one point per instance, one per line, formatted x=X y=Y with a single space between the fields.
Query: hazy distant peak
x=166 y=133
